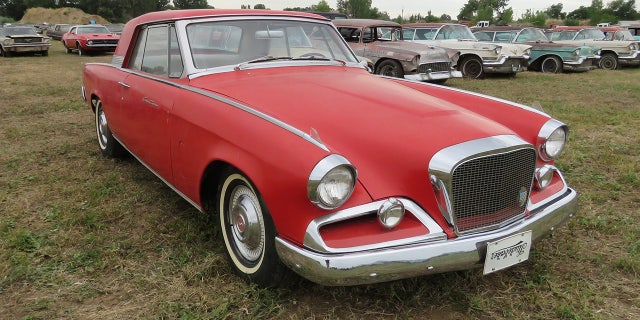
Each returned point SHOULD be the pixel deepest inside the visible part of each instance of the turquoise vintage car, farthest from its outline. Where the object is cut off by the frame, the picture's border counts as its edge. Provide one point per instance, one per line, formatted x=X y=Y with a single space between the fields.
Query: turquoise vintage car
x=546 y=56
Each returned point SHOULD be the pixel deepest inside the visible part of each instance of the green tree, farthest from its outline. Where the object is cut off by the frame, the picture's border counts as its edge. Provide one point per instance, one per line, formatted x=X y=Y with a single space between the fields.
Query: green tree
x=322 y=6
x=190 y=4
x=623 y=10
x=259 y=6
x=555 y=11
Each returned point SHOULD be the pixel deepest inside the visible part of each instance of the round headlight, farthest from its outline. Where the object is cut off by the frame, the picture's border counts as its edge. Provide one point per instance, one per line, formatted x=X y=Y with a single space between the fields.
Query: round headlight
x=331 y=182
x=498 y=50
x=553 y=136
x=89 y=42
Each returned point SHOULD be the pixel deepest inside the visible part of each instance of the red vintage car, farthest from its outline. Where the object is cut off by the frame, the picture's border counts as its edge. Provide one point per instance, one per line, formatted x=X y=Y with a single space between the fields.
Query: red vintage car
x=267 y=121
x=89 y=38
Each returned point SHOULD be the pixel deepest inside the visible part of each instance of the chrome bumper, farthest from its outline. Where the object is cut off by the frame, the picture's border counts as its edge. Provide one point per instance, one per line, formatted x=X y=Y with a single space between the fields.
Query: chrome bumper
x=582 y=64
x=506 y=64
x=433 y=76
x=407 y=261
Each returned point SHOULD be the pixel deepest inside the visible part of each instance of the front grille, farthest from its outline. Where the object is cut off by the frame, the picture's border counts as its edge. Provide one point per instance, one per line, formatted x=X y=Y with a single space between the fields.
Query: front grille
x=98 y=42
x=27 y=40
x=434 y=67
x=490 y=191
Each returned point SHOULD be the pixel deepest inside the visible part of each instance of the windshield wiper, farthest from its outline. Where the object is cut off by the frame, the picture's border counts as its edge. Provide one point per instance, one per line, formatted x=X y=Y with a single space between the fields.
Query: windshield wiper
x=239 y=66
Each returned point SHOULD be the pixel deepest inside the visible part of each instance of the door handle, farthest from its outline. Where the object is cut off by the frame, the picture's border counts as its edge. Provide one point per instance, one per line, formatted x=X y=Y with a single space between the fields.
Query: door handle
x=149 y=102
x=124 y=84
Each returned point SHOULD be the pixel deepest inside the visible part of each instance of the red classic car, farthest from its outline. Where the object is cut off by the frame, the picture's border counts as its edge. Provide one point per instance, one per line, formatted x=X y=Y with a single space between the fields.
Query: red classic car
x=266 y=120
x=89 y=38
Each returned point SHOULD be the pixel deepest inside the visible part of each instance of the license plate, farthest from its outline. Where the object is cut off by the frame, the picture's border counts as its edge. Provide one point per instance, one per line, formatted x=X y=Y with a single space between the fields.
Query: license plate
x=508 y=251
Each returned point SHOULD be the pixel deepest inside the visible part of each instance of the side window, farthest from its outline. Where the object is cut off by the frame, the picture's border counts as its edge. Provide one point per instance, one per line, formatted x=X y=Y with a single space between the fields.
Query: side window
x=175 y=58
x=157 y=52
x=484 y=36
x=135 y=62
x=407 y=34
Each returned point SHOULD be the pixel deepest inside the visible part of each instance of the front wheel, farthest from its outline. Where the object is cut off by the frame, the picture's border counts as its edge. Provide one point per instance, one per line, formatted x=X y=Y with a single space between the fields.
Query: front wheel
x=609 y=61
x=471 y=67
x=390 y=68
x=551 y=64
x=81 y=52
x=248 y=231
x=109 y=146
x=66 y=49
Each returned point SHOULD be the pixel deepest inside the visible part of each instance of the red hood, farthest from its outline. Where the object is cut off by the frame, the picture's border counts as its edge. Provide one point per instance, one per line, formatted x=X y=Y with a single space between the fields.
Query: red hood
x=387 y=130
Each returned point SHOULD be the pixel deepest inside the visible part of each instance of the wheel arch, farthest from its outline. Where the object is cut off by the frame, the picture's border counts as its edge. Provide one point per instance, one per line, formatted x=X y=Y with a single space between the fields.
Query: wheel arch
x=537 y=63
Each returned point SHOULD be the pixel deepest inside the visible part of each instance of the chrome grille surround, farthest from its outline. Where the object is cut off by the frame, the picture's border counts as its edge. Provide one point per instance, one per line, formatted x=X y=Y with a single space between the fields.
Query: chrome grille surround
x=483 y=184
x=434 y=67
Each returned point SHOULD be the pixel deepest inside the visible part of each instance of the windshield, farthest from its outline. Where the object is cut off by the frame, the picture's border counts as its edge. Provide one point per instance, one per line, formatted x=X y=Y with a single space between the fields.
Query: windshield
x=21 y=31
x=562 y=35
x=619 y=35
x=458 y=32
x=421 y=33
x=94 y=30
x=531 y=35
x=220 y=43
x=389 y=33
x=590 y=34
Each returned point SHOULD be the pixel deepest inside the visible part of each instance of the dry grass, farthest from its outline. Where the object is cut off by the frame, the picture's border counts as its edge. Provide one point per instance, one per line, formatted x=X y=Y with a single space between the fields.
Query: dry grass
x=85 y=237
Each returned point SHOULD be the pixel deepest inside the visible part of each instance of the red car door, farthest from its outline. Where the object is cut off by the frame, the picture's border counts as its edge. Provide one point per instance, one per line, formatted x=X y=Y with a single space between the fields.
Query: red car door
x=148 y=99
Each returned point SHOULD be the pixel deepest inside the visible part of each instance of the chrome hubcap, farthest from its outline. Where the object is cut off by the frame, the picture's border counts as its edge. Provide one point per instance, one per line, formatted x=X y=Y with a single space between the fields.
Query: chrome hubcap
x=102 y=127
x=247 y=228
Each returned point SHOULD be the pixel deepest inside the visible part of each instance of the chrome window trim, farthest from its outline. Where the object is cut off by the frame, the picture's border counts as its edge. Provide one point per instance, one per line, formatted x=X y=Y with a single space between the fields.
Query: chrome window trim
x=313 y=240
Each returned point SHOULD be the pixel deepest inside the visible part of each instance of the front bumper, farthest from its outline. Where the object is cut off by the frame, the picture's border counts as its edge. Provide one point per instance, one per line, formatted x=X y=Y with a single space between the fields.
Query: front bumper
x=405 y=261
x=632 y=59
x=27 y=48
x=434 y=76
x=581 y=65
x=100 y=47
x=506 y=64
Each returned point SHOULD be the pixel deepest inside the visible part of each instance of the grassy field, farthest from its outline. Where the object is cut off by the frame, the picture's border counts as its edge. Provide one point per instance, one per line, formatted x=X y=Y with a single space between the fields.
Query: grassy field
x=86 y=237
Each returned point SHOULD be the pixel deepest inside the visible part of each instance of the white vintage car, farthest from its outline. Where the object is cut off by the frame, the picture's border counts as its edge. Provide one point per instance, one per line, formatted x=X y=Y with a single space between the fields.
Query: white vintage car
x=476 y=58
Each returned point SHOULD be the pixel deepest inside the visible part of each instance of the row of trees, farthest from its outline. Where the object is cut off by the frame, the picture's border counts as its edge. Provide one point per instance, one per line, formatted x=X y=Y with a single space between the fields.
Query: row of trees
x=112 y=10
x=498 y=12
x=495 y=11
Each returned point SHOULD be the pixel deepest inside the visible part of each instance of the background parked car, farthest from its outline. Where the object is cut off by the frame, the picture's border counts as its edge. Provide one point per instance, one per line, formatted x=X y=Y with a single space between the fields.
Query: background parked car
x=476 y=58
x=115 y=28
x=89 y=38
x=381 y=42
x=18 y=39
x=614 y=53
x=58 y=30
x=546 y=56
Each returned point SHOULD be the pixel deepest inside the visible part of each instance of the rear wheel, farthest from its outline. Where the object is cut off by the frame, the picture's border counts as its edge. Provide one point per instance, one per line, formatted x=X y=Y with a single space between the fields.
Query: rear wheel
x=551 y=64
x=609 y=61
x=248 y=231
x=471 y=67
x=109 y=146
x=390 y=68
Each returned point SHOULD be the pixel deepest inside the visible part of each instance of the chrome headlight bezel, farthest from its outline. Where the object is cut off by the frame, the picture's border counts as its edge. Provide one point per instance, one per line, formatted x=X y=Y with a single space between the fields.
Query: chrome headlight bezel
x=552 y=139
x=89 y=42
x=331 y=182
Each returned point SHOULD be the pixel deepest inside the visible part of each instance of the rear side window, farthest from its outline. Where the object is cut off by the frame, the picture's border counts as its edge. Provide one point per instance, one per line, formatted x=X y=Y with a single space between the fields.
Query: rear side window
x=157 y=52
